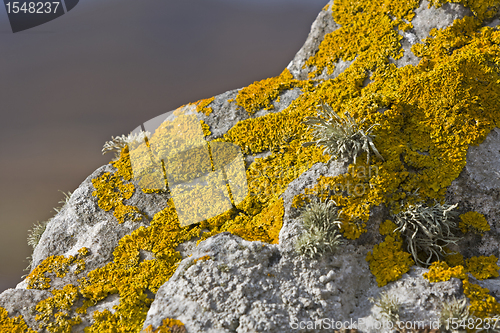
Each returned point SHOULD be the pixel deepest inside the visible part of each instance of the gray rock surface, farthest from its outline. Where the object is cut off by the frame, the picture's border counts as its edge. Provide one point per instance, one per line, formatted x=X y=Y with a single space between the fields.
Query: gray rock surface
x=257 y=287
x=477 y=188
x=254 y=287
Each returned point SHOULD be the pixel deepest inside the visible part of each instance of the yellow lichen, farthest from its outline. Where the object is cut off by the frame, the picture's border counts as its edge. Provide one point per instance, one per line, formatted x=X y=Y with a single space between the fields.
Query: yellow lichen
x=130 y=277
x=454 y=259
x=111 y=191
x=260 y=94
x=483 y=267
x=388 y=262
x=206 y=128
x=440 y=271
x=58 y=265
x=123 y=165
x=201 y=106
x=387 y=227
x=473 y=221
x=127 y=213
x=168 y=326
x=482 y=304
x=482 y=9
x=432 y=113
x=13 y=325
x=54 y=312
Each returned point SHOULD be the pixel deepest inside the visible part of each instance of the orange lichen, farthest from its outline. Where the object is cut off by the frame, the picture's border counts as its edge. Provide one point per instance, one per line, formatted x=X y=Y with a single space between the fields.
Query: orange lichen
x=201 y=106
x=13 y=325
x=482 y=304
x=388 y=262
x=127 y=213
x=387 y=228
x=440 y=271
x=111 y=191
x=454 y=259
x=205 y=257
x=206 y=128
x=123 y=165
x=168 y=326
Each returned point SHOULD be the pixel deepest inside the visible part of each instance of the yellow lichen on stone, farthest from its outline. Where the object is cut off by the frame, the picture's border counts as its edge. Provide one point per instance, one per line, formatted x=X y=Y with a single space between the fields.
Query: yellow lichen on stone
x=264 y=226
x=54 y=312
x=454 y=259
x=387 y=228
x=482 y=304
x=205 y=257
x=111 y=191
x=260 y=94
x=58 y=265
x=440 y=271
x=388 y=262
x=130 y=277
x=483 y=267
x=168 y=326
x=358 y=20
x=127 y=213
x=482 y=9
x=205 y=128
x=123 y=165
x=474 y=222
x=429 y=115
x=13 y=325
x=201 y=106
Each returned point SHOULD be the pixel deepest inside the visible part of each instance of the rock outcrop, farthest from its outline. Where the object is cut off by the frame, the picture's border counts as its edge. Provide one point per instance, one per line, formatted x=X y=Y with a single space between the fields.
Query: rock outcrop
x=116 y=259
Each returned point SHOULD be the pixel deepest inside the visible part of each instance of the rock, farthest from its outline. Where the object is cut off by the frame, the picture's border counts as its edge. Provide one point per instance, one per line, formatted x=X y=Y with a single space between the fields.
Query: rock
x=254 y=287
x=230 y=284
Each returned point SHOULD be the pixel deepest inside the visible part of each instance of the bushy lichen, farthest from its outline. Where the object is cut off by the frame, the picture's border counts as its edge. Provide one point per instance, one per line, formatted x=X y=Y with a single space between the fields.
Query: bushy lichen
x=321 y=224
x=117 y=144
x=36 y=233
x=389 y=306
x=456 y=309
x=341 y=137
x=428 y=230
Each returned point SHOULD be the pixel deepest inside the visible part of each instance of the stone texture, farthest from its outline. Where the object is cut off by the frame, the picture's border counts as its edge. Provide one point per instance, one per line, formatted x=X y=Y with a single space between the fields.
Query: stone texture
x=256 y=287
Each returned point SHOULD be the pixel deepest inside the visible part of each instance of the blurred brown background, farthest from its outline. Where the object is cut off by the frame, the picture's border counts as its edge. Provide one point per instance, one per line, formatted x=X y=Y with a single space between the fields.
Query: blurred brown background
x=106 y=67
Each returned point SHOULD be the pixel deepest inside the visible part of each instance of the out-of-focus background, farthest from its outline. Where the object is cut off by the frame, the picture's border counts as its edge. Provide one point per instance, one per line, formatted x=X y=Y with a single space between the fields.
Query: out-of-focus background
x=106 y=67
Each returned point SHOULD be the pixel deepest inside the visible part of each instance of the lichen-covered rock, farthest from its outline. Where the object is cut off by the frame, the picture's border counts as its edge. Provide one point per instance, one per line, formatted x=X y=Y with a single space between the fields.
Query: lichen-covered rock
x=420 y=78
x=246 y=286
